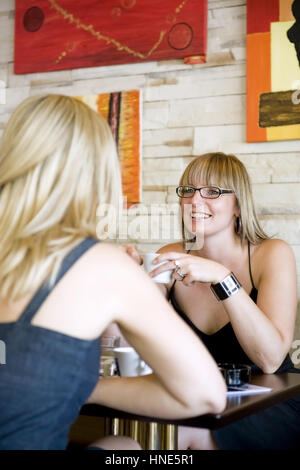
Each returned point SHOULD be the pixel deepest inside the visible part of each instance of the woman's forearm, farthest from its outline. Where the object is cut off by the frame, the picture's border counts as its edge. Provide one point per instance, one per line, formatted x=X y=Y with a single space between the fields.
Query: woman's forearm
x=257 y=335
x=145 y=395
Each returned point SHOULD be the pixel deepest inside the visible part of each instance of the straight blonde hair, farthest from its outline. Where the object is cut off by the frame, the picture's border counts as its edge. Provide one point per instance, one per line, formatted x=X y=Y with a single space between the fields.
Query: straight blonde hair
x=228 y=172
x=58 y=162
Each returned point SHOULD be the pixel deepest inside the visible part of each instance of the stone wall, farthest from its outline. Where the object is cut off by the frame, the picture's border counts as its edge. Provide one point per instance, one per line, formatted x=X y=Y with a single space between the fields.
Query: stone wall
x=187 y=110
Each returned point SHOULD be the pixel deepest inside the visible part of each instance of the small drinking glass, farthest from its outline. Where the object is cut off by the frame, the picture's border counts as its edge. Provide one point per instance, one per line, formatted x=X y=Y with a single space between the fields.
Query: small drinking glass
x=110 y=342
x=108 y=363
x=235 y=374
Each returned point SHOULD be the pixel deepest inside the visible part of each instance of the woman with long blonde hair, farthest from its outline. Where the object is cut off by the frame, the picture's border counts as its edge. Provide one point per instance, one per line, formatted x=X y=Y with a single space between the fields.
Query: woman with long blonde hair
x=60 y=287
x=236 y=288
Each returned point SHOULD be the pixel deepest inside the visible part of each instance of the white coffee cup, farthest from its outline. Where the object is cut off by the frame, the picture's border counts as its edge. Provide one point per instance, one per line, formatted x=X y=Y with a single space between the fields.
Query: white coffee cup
x=129 y=362
x=164 y=277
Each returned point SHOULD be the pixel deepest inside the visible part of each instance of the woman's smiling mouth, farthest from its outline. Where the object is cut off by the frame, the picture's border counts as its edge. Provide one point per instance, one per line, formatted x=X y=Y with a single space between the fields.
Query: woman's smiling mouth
x=200 y=215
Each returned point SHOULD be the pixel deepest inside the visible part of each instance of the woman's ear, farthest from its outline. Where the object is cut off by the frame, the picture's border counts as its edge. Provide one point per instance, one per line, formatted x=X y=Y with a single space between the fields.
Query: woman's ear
x=237 y=211
x=237 y=223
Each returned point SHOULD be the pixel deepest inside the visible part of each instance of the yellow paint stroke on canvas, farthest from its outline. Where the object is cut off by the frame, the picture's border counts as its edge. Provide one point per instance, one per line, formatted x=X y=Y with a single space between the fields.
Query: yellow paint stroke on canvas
x=285 y=75
x=103 y=104
x=284 y=64
x=129 y=144
x=102 y=37
x=283 y=132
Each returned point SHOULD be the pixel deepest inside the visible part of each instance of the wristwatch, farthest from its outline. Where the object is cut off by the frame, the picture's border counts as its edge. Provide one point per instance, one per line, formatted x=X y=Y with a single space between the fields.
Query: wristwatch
x=226 y=288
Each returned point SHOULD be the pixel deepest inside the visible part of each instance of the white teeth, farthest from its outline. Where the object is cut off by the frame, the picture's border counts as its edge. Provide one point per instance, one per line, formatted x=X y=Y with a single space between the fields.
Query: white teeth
x=200 y=216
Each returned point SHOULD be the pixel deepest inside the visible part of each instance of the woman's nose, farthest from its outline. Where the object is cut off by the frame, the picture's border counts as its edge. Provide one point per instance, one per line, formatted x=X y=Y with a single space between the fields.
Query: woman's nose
x=197 y=196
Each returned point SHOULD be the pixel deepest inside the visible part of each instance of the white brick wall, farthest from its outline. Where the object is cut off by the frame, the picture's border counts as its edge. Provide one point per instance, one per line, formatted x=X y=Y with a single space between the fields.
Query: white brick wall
x=6 y=35
x=187 y=110
x=7 y=5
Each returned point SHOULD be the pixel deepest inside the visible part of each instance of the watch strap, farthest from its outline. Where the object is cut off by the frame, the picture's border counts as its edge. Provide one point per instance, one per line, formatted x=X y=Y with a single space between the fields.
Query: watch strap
x=226 y=288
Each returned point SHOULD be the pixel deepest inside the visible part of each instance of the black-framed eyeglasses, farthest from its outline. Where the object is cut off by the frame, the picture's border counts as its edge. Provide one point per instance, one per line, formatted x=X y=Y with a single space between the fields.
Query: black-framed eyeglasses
x=207 y=192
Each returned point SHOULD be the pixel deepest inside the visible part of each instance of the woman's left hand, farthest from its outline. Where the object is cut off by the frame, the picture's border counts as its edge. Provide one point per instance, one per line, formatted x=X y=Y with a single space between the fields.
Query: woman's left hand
x=190 y=269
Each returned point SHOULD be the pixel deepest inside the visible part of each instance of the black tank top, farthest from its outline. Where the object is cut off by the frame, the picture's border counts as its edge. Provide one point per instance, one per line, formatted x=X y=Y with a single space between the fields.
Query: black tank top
x=223 y=344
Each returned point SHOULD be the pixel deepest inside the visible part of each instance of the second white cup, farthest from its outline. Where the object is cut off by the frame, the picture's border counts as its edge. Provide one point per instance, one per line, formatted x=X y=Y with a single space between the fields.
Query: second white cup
x=129 y=362
x=165 y=277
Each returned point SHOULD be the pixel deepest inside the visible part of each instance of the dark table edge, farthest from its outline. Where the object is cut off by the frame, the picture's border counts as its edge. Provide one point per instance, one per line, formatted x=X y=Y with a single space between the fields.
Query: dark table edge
x=210 y=421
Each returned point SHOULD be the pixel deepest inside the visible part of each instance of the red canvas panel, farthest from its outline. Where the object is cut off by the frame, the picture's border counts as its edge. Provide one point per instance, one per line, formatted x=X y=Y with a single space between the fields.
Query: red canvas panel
x=64 y=34
x=260 y=13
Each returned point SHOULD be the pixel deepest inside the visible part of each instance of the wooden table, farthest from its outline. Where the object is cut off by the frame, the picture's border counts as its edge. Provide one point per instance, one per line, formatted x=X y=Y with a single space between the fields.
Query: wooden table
x=157 y=433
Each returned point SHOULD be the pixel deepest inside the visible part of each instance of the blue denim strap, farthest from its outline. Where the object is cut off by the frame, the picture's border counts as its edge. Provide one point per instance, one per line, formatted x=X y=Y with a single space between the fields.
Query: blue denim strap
x=43 y=292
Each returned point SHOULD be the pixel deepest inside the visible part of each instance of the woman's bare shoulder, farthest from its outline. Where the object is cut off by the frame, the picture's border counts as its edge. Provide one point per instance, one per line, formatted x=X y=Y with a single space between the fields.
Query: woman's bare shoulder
x=109 y=255
x=103 y=262
x=272 y=253
x=274 y=247
x=178 y=247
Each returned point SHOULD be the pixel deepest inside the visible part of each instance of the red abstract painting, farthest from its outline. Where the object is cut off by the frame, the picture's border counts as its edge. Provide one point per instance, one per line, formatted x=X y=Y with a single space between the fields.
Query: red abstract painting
x=66 y=34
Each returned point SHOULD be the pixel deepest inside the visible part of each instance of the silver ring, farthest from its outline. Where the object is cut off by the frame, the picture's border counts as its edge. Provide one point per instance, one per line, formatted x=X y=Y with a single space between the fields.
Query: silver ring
x=177 y=263
x=177 y=270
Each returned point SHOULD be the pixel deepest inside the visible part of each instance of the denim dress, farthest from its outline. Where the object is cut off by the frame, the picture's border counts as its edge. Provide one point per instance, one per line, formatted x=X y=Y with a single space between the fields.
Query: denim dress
x=47 y=376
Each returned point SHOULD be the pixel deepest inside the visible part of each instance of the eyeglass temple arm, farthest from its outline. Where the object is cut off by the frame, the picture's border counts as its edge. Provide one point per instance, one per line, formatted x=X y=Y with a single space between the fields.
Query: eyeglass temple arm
x=226 y=191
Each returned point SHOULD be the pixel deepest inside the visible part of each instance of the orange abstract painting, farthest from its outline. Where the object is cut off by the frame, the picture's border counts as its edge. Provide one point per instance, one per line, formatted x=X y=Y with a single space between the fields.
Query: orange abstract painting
x=122 y=112
x=273 y=71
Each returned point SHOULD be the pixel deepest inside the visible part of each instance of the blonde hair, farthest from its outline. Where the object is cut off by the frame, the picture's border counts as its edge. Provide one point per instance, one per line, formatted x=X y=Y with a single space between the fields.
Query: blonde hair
x=58 y=162
x=228 y=172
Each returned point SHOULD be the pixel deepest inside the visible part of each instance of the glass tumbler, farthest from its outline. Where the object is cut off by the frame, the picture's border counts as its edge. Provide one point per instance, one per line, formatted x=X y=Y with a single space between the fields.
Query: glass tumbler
x=108 y=363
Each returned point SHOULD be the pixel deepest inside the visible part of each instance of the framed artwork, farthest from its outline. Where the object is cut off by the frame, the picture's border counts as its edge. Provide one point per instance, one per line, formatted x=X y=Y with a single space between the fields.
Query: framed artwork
x=122 y=111
x=273 y=70
x=66 y=34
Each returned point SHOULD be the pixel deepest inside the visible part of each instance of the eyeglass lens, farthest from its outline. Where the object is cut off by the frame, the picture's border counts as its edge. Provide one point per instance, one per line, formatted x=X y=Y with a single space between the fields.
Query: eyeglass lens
x=209 y=192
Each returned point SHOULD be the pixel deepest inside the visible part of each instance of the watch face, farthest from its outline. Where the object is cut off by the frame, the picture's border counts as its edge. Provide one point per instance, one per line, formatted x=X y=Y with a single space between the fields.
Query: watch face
x=230 y=283
x=224 y=289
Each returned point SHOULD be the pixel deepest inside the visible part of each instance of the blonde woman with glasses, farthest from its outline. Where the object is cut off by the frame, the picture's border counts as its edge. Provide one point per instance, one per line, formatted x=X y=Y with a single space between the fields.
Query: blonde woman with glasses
x=236 y=288
x=60 y=287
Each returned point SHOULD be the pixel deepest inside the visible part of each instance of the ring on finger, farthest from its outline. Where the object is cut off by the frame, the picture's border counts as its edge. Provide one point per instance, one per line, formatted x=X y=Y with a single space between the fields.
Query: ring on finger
x=177 y=270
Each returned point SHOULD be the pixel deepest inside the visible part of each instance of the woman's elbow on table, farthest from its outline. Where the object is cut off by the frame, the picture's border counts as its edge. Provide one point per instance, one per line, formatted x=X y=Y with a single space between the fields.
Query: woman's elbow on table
x=270 y=368
x=216 y=400
x=216 y=391
x=270 y=364
x=211 y=404
x=212 y=399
